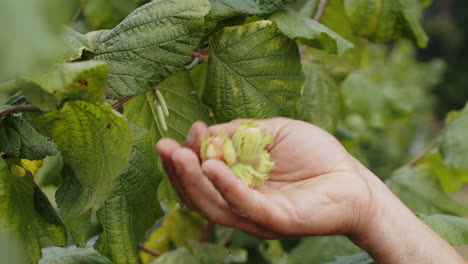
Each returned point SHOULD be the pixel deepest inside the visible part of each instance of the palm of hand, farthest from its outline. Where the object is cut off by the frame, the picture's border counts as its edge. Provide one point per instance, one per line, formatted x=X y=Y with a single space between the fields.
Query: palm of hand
x=313 y=190
x=313 y=184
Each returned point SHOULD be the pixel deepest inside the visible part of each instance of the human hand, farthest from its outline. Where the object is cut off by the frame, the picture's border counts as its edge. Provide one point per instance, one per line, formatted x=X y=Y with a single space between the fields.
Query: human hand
x=314 y=190
x=317 y=188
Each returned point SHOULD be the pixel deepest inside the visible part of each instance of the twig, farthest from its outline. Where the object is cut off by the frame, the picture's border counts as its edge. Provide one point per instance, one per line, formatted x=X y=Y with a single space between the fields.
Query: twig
x=17 y=108
x=77 y=13
x=200 y=53
x=200 y=56
x=302 y=50
x=318 y=15
x=423 y=153
x=22 y=108
x=227 y=237
x=121 y=102
x=149 y=251
x=321 y=9
x=207 y=233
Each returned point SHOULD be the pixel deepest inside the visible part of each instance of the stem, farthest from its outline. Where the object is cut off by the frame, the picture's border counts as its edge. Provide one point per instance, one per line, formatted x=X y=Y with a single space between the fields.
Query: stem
x=318 y=15
x=77 y=13
x=149 y=251
x=16 y=109
x=302 y=50
x=321 y=9
x=227 y=237
x=200 y=56
x=121 y=102
x=22 y=108
x=425 y=151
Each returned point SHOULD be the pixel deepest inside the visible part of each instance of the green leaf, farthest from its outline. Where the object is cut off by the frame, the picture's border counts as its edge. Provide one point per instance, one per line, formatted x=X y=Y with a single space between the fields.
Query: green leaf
x=71 y=198
x=179 y=227
x=184 y=109
x=194 y=253
x=75 y=44
x=334 y=17
x=19 y=139
x=166 y=192
x=25 y=212
x=420 y=190
x=105 y=14
x=133 y=206
x=72 y=255
x=320 y=103
x=453 y=145
x=391 y=85
x=180 y=255
x=151 y=44
x=451 y=228
x=451 y=180
x=207 y=253
x=273 y=251
x=85 y=81
x=184 y=106
x=254 y=72
x=12 y=251
x=360 y=258
x=225 y=9
x=32 y=34
x=386 y=20
x=364 y=96
x=96 y=142
x=310 y=32
x=321 y=249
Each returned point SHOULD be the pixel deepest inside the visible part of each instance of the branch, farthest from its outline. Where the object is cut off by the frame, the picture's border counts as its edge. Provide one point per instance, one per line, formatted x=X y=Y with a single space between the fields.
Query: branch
x=201 y=56
x=424 y=152
x=121 y=102
x=227 y=237
x=321 y=9
x=17 y=108
x=149 y=251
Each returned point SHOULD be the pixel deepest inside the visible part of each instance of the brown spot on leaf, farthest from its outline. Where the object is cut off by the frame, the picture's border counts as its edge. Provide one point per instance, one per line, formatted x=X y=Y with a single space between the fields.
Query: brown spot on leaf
x=58 y=119
x=109 y=126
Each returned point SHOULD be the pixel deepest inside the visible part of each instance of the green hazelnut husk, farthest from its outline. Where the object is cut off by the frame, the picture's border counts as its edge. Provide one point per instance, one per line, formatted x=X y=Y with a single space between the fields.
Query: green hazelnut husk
x=245 y=154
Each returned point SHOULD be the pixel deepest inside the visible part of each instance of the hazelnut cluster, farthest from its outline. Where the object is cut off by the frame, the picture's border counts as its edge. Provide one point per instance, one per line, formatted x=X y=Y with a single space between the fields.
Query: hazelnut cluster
x=244 y=154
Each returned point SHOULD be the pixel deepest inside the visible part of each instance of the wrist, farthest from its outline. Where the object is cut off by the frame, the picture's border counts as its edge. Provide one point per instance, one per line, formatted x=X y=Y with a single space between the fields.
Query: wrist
x=393 y=234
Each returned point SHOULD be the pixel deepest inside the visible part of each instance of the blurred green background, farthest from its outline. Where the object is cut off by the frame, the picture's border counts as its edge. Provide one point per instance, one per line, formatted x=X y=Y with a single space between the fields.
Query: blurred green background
x=445 y=22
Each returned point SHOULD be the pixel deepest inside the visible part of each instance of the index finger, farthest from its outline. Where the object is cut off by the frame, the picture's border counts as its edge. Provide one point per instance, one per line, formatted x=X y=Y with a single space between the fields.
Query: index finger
x=272 y=125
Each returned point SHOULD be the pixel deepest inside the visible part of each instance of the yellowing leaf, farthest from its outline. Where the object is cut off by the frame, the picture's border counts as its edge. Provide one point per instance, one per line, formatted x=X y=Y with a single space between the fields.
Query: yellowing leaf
x=179 y=227
x=31 y=165
x=254 y=72
x=25 y=212
x=86 y=81
x=95 y=141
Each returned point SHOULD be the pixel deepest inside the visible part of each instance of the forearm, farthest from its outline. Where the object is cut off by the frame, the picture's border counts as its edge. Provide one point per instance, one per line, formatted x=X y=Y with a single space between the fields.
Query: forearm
x=396 y=235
